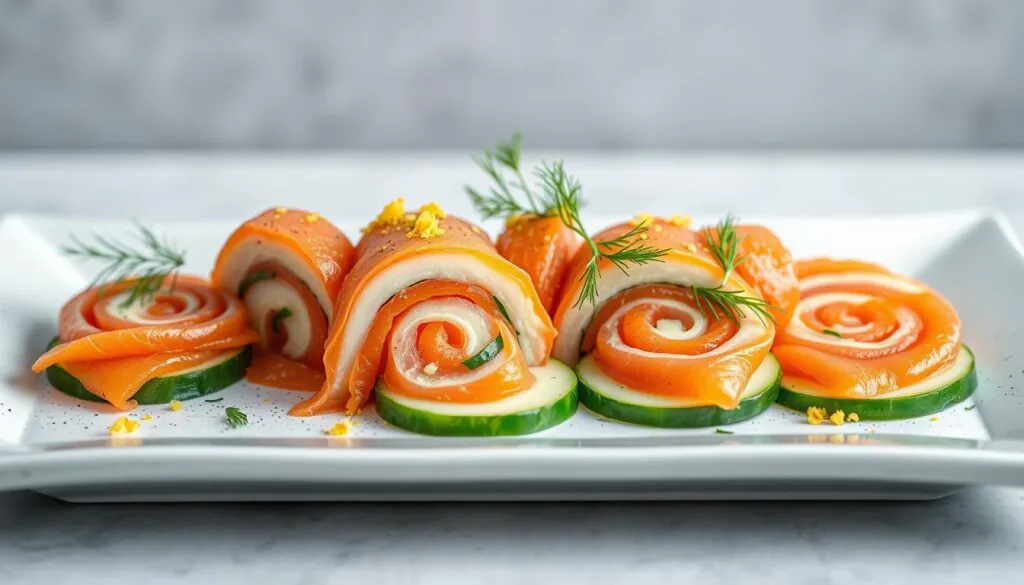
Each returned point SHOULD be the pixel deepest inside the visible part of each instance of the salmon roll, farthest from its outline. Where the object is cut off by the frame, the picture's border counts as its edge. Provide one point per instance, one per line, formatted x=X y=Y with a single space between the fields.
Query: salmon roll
x=543 y=247
x=184 y=340
x=452 y=336
x=870 y=342
x=673 y=342
x=287 y=266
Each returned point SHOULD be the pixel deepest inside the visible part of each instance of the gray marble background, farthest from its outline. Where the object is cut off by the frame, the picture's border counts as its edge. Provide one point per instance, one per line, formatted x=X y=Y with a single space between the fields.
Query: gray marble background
x=461 y=73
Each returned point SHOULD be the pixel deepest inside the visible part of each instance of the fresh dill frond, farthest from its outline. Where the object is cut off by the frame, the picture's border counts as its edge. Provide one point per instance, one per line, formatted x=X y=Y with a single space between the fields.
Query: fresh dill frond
x=236 y=418
x=509 y=195
x=624 y=251
x=148 y=267
x=718 y=301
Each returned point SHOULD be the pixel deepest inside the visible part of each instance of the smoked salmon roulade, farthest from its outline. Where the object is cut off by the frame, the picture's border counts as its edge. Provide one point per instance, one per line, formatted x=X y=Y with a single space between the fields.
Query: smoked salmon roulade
x=287 y=266
x=673 y=342
x=873 y=343
x=453 y=337
x=184 y=340
x=543 y=247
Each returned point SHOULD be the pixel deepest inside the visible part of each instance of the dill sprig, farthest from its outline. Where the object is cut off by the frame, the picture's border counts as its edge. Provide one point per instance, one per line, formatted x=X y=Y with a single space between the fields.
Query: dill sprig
x=718 y=300
x=235 y=417
x=147 y=267
x=501 y=199
x=623 y=251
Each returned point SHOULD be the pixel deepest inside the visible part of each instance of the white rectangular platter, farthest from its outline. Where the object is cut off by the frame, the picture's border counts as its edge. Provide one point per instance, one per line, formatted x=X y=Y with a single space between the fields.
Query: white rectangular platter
x=60 y=446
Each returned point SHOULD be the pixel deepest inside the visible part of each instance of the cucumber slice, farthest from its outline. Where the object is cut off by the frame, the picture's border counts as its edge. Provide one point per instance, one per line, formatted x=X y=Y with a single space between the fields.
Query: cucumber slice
x=201 y=380
x=551 y=401
x=606 y=397
x=931 y=395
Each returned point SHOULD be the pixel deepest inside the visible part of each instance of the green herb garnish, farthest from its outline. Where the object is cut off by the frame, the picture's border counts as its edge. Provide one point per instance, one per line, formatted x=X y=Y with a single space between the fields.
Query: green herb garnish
x=486 y=354
x=236 y=418
x=147 y=268
x=718 y=300
x=279 y=316
x=504 y=311
x=251 y=279
x=216 y=399
x=500 y=201
x=723 y=432
x=832 y=333
x=971 y=407
x=624 y=251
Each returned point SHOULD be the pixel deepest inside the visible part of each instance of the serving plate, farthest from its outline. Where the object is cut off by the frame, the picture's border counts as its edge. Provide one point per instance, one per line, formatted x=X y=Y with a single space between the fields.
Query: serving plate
x=59 y=446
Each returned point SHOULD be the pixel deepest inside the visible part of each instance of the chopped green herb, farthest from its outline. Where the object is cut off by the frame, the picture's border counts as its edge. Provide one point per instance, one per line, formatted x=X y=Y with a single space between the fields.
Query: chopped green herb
x=723 y=432
x=832 y=333
x=504 y=311
x=216 y=399
x=252 y=278
x=236 y=418
x=148 y=268
x=280 y=315
x=971 y=407
x=486 y=354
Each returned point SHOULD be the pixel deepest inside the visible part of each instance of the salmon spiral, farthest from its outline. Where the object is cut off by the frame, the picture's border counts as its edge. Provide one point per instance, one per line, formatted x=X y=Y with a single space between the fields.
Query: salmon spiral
x=114 y=347
x=431 y=341
x=427 y=295
x=860 y=330
x=286 y=265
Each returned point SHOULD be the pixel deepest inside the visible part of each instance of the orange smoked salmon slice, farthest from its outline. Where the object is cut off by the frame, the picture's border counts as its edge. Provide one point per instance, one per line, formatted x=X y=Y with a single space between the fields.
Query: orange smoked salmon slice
x=287 y=266
x=424 y=293
x=114 y=349
x=647 y=331
x=542 y=246
x=861 y=330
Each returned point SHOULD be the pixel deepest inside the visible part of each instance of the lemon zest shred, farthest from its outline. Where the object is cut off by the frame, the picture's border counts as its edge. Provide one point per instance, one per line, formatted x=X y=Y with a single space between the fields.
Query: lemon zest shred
x=123 y=425
x=816 y=415
x=426 y=226
x=433 y=208
x=680 y=220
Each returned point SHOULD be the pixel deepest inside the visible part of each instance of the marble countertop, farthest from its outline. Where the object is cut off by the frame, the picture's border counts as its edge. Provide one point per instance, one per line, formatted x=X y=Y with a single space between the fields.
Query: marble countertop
x=976 y=535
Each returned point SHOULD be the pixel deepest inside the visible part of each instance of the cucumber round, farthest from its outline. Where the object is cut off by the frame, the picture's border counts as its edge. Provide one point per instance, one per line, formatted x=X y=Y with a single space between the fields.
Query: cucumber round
x=549 y=402
x=201 y=380
x=933 y=394
x=606 y=397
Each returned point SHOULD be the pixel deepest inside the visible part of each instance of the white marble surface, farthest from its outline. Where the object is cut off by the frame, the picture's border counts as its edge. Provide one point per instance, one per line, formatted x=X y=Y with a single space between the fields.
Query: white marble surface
x=973 y=536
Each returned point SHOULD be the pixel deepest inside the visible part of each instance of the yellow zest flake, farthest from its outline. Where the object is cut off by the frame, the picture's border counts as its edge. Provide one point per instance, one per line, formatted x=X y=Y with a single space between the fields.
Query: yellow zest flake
x=175 y=405
x=853 y=417
x=515 y=221
x=641 y=219
x=338 y=430
x=690 y=247
x=816 y=415
x=934 y=418
x=392 y=214
x=148 y=417
x=123 y=425
x=680 y=220
x=279 y=212
x=426 y=226
x=642 y=236
x=435 y=209
x=838 y=417
x=311 y=217
x=658 y=228
x=474 y=229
